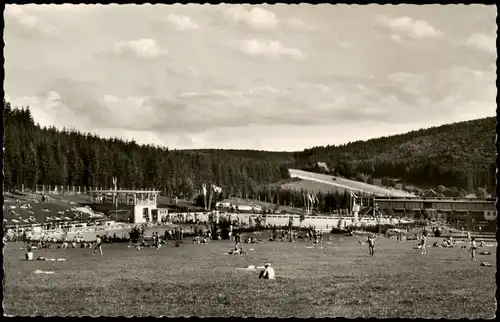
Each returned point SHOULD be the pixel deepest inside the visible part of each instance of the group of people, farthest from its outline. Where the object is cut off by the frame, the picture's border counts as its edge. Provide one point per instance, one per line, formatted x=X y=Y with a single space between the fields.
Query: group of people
x=450 y=243
x=313 y=235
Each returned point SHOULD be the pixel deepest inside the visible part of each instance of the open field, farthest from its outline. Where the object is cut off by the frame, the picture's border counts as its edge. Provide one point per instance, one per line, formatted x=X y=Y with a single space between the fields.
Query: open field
x=199 y=280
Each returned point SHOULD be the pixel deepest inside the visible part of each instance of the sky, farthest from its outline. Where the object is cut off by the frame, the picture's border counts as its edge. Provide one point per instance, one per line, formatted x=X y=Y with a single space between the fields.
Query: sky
x=268 y=77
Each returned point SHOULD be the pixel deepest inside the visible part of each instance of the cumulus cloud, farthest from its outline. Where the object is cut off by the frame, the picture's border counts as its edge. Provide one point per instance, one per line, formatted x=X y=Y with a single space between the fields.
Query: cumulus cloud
x=181 y=22
x=298 y=24
x=395 y=37
x=482 y=42
x=142 y=48
x=30 y=23
x=48 y=110
x=270 y=49
x=255 y=17
x=410 y=27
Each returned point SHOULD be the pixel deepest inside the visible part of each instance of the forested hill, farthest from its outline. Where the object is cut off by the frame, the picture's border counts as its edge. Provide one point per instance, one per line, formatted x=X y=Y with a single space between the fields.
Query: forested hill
x=454 y=155
x=252 y=154
x=35 y=155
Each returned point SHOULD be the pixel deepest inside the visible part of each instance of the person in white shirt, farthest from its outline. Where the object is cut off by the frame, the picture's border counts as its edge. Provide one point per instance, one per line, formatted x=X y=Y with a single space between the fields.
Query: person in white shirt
x=473 y=248
x=29 y=253
x=98 y=245
x=268 y=272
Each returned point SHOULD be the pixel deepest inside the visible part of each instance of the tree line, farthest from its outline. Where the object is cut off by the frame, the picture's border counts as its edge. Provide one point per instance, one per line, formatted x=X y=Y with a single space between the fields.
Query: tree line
x=36 y=155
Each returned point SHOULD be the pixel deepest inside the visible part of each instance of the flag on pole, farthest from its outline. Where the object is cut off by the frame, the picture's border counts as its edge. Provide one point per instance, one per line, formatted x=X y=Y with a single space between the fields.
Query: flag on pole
x=204 y=187
x=216 y=189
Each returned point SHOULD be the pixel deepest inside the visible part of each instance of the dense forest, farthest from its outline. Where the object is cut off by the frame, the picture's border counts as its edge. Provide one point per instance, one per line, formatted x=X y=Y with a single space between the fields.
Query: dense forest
x=460 y=155
x=35 y=155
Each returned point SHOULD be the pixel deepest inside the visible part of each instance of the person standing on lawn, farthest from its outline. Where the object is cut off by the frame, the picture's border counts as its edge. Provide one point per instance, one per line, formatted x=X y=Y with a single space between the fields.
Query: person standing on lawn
x=98 y=245
x=473 y=248
x=371 y=245
x=423 y=242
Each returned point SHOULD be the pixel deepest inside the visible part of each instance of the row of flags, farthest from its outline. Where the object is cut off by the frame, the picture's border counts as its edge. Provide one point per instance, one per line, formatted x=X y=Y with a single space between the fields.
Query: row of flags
x=214 y=189
x=313 y=198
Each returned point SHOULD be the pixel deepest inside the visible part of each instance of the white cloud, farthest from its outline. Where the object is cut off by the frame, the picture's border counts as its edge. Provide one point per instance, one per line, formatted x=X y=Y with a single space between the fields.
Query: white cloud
x=324 y=89
x=482 y=42
x=182 y=23
x=298 y=24
x=271 y=49
x=346 y=44
x=266 y=88
x=410 y=27
x=110 y=99
x=31 y=22
x=395 y=37
x=255 y=17
x=47 y=110
x=143 y=48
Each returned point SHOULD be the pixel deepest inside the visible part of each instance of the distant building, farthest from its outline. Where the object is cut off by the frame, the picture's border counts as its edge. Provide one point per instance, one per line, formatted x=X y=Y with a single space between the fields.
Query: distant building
x=391 y=182
x=377 y=182
x=323 y=166
x=429 y=193
x=142 y=204
x=490 y=215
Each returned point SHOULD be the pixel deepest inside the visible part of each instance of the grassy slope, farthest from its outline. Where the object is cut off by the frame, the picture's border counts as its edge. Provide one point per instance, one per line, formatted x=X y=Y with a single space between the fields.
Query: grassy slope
x=198 y=280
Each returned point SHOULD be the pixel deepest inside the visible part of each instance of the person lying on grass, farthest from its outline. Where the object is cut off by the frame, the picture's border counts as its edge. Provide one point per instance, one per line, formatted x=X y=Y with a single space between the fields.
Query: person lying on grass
x=237 y=251
x=268 y=272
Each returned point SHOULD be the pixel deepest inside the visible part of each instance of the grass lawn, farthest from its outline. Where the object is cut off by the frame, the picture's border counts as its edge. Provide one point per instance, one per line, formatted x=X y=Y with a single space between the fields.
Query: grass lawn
x=199 y=280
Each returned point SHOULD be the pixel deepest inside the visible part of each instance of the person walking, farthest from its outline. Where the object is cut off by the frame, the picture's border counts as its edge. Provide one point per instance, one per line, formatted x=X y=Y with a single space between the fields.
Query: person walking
x=98 y=245
x=423 y=243
x=371 y=245
x=473 y=248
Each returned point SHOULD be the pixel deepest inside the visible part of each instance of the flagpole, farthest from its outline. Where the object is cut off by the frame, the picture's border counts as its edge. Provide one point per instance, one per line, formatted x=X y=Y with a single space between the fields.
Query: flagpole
x=116 y=196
